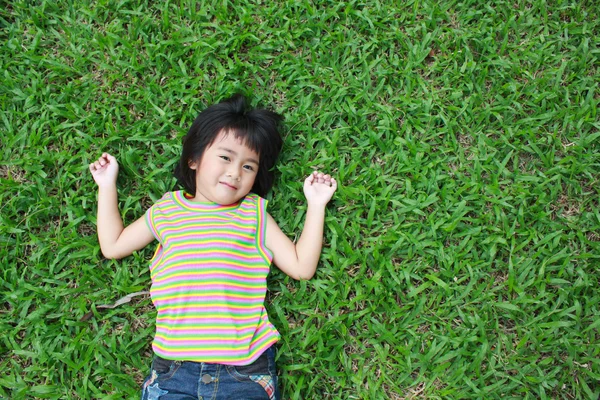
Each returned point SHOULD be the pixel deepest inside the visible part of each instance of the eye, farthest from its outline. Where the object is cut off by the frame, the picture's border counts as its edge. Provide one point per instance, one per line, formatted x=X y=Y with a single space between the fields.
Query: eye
x=249 y=167
x=225 y=158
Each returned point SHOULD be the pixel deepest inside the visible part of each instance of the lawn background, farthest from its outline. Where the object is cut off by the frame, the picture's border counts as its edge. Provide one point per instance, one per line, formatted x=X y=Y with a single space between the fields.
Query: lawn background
x=462 y=256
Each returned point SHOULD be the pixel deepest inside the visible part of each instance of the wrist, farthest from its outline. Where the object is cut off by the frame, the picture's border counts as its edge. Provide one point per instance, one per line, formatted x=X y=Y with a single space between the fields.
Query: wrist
x=316 y=206
x=108 y=186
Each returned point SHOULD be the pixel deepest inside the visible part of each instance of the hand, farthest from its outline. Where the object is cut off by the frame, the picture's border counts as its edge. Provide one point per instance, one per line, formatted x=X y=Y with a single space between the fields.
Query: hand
x=105 y=170
x=319 y=188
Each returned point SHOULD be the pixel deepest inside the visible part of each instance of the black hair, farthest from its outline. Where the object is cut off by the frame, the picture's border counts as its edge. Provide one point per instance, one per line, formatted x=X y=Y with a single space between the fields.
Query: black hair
x=256 y=128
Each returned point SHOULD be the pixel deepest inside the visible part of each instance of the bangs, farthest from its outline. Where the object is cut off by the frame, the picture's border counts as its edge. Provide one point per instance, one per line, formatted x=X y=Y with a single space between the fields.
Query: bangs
x=246 y=137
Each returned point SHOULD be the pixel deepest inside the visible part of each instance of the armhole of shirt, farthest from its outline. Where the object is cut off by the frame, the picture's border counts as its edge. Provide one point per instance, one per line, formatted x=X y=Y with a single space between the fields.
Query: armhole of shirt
x=261 y=230
x=149 y=218
x=155 y=260
x=150 y=223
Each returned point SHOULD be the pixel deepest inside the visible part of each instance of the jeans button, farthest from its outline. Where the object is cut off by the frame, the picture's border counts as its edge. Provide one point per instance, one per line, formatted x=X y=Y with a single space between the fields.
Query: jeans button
x=206 y=379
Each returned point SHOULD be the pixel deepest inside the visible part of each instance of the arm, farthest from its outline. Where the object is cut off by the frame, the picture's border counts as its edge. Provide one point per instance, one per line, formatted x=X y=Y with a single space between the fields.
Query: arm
x=299 y=260
x=115 y=240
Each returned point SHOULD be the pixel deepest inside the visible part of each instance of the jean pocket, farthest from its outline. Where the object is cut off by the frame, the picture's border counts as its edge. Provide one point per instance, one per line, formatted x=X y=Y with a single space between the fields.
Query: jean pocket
x=164 y=369
x=262 y=366
x=261 y=372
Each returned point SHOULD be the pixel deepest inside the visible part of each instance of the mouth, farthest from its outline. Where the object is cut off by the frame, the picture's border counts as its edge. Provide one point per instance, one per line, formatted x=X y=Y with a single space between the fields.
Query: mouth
x=228 y=185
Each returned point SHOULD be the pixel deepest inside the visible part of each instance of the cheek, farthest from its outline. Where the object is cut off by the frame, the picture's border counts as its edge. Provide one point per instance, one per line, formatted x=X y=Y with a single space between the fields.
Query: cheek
x=207 y=168
x=249 y=181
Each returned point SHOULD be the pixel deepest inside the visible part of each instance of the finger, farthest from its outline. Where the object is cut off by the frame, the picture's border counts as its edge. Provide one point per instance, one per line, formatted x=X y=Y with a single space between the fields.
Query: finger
x=325 y=181
x=333 y=184
x=320 y=178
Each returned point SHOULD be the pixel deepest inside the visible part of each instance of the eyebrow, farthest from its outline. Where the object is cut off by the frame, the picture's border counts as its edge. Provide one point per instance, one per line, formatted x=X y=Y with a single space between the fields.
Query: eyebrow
x=255 y=161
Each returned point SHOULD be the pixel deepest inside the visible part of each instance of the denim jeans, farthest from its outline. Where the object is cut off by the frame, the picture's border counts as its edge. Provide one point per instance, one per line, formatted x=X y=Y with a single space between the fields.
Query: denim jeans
x=171 y=380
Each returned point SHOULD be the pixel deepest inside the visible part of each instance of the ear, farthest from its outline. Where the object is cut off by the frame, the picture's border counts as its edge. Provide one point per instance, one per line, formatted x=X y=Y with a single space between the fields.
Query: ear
x=193 y=164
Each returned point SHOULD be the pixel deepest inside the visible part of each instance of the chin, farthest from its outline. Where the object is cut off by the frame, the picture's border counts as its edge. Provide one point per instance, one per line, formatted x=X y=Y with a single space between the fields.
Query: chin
x=228 y=200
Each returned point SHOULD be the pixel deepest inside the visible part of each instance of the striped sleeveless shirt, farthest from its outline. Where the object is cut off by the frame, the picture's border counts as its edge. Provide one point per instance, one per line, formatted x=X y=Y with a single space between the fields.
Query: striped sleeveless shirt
x=209 y=280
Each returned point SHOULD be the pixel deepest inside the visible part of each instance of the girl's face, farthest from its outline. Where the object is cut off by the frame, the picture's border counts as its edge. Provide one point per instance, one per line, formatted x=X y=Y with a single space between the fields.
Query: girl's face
x=226 y=171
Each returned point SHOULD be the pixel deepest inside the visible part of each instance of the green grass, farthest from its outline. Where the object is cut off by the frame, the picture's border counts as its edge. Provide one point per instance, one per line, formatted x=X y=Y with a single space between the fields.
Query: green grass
x=463 y=245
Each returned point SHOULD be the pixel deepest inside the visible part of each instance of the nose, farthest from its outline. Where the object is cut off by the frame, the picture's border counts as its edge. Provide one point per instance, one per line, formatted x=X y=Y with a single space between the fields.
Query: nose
x=234 y=173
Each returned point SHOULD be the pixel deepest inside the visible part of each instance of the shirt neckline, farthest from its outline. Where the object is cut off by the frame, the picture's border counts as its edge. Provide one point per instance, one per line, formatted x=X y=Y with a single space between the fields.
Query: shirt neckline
x=183 y=200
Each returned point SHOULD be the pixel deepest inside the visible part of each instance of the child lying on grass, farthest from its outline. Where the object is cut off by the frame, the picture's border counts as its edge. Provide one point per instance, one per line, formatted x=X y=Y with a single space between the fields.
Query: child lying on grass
x=216 y=243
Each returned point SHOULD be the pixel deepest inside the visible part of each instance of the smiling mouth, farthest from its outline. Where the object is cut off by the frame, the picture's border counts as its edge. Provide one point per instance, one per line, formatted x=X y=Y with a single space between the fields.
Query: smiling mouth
x=228 y=185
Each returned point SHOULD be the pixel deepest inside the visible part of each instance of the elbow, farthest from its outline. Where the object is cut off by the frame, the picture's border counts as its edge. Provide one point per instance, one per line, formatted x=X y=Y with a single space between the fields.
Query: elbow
x=304 y=276
x=110 y=254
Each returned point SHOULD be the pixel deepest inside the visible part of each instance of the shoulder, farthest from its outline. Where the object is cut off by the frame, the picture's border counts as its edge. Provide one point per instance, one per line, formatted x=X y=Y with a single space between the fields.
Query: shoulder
x=167 y=200
x=252 y=199
x=169 y=197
